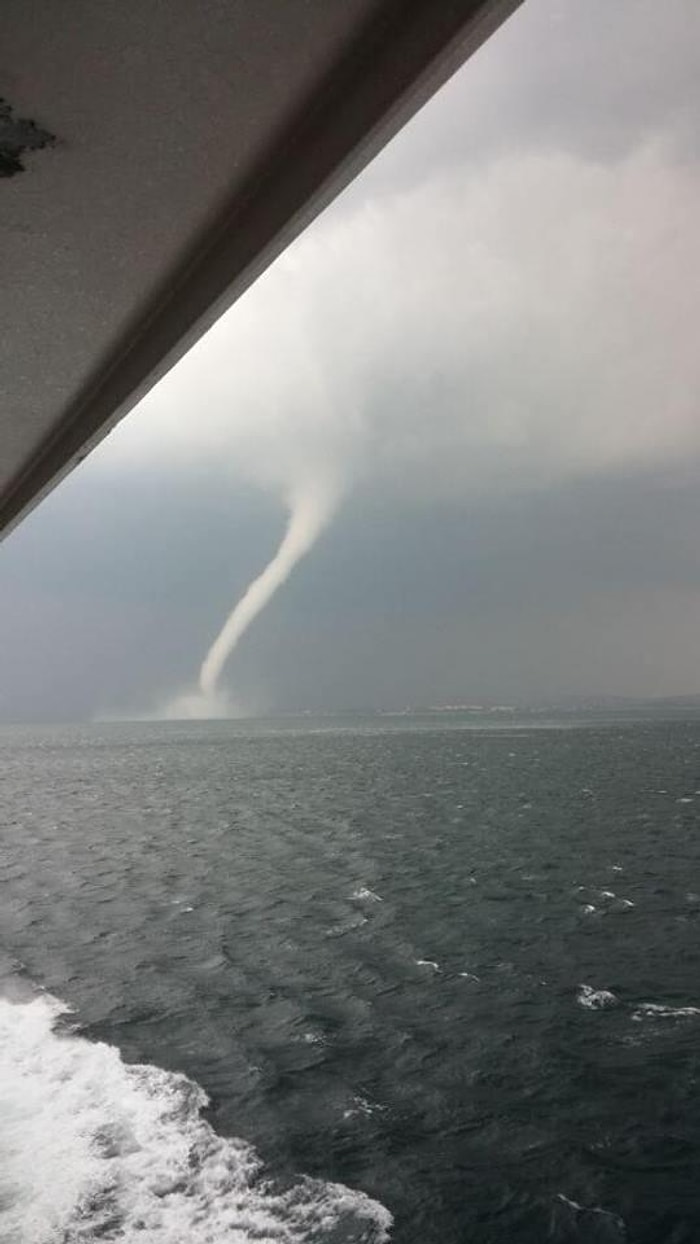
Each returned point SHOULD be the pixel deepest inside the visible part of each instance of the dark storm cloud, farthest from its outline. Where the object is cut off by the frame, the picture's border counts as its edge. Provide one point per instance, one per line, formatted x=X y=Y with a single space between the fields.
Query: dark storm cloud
x=594 y=589
x=104 y=604
x=582 y=590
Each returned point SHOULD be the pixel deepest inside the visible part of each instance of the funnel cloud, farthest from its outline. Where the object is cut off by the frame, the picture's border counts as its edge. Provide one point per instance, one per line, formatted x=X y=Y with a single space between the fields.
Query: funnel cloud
x=310 y=511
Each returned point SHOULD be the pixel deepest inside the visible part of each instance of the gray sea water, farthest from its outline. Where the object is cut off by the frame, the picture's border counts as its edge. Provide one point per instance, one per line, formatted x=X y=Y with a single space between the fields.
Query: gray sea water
x=316 y=982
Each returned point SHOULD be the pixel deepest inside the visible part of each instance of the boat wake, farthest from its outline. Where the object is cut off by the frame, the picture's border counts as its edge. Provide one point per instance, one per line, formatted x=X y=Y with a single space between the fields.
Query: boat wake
x=94 y=1149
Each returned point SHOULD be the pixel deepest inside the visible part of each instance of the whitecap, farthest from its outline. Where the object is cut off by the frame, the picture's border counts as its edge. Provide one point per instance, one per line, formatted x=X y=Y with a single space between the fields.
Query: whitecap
x=592 y=1215
x=364 y=893
x=364 y=1108
x=657 y=1010
x=469 y=976
x=595 y=999
x=313 y=1038
x=588 y=909
x=428 y=963
x=347 y=926
x=94 y=1148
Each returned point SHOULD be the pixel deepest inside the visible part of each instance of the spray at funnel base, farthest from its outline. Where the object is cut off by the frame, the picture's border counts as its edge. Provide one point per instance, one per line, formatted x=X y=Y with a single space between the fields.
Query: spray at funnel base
x=310 y=510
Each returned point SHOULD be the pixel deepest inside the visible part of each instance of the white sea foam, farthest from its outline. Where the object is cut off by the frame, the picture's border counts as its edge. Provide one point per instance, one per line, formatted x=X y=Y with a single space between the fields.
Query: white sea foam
x=656 y=1010
x=595 y=999
x=594 y=1214
x=428 y=963
x=346 y=926
x=313 y=1038
x=362 y=1107
x=588 y=909
x=365 y=894
x=92 y=1148
x=469 y=976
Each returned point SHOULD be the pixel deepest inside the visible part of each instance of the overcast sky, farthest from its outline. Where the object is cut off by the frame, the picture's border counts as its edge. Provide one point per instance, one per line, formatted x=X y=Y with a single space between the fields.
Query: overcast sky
x=487 y=350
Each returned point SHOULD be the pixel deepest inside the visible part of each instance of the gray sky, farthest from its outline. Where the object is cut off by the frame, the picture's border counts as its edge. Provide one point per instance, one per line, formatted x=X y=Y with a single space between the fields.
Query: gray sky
x=489 y=347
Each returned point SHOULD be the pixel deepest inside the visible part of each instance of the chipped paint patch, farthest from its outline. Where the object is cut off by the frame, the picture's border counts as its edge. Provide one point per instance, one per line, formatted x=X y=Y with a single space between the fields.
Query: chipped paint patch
x=17 y=135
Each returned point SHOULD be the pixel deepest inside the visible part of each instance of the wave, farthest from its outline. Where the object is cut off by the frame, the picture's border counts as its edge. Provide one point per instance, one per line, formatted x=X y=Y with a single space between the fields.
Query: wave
x=363 y=1107
x=597 y=1223
x=658 y=1010
x=595 y=999
x=92 y=1148
x=365 y=894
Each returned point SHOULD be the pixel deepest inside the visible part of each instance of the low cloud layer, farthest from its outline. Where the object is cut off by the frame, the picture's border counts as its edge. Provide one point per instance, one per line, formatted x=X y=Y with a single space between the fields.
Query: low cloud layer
x=507 y=326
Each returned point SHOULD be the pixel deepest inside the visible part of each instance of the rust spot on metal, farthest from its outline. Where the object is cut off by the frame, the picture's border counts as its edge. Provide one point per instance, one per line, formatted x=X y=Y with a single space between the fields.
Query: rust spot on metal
x=17 y=135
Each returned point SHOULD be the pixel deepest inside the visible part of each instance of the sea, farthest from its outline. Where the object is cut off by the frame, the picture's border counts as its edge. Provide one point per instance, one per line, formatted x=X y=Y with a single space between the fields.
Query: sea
x=428 y=981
